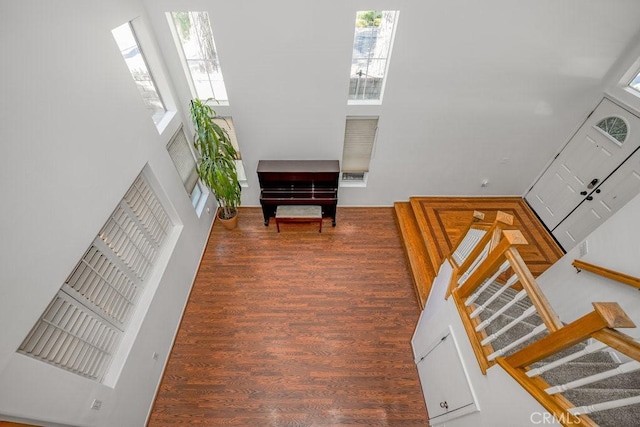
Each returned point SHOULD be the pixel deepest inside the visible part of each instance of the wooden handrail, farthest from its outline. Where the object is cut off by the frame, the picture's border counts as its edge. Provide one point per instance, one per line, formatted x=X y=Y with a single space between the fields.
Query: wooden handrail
x=535 y=294
x=605 y=272
x=491 y=263
x=598 y=324
x=604 y=315
x=619 y=341
x=491 y=237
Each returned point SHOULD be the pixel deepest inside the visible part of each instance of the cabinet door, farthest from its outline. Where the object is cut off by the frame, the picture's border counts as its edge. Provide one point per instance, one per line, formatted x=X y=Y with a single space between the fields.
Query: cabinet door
x=445 y=385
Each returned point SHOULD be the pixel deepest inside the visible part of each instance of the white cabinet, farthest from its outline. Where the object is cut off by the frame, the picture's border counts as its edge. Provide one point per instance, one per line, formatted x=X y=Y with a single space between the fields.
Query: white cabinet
x=445 y=385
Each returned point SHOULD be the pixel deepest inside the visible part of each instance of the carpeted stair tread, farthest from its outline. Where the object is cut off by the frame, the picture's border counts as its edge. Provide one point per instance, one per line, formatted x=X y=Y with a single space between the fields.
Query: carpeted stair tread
x=576 y=370
x=507 y=316
x=627 y=416
x=506 y=297
x=596 y=357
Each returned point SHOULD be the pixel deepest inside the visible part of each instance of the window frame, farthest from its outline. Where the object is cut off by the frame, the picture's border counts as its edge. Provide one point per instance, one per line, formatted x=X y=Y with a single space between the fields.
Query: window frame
x=610 y=136
x=226 y=122
x=387 y=60
x=353 y=139
x=181 y=152
x=159 y=116
x=180 y=46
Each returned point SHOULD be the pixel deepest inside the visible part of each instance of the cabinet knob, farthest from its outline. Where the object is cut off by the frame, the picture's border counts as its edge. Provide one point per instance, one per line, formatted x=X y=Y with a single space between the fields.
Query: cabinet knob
x=444 y=405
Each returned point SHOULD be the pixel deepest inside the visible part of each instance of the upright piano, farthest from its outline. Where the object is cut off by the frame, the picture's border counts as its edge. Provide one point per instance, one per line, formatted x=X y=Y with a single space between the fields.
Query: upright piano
x=299 y=182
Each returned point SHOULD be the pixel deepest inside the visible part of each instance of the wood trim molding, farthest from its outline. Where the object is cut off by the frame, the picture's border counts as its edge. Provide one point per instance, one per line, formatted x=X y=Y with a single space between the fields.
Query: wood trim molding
x=470 y=329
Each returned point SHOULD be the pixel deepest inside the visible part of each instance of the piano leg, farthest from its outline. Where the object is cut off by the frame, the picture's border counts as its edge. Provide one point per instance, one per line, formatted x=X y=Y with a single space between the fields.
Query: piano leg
x=266 y=214
x=333 y=221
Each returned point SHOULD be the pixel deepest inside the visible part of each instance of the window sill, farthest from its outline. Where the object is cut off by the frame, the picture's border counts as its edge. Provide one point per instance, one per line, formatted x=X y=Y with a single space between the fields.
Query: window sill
x=364 y=102
x=356 y=184
x=164 y=121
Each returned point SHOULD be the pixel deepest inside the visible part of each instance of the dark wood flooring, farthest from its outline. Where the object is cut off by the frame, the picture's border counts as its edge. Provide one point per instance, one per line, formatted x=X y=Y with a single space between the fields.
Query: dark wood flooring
x=297 y=328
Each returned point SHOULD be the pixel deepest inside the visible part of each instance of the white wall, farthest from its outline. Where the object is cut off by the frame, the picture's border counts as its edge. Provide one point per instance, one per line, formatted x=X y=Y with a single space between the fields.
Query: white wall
x=614 y=245
x=470 y=84
x=74 y=135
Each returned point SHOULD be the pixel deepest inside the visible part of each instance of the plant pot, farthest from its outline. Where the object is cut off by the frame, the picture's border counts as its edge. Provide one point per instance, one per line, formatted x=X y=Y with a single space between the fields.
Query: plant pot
x=229 y=223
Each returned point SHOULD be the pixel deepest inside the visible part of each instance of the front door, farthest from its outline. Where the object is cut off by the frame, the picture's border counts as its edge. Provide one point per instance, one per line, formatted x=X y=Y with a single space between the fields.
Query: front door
x=622 y=186
x=606 y=139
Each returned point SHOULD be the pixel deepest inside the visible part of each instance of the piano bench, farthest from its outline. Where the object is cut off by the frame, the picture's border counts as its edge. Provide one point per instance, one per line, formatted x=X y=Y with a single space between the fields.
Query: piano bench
x=298 y=213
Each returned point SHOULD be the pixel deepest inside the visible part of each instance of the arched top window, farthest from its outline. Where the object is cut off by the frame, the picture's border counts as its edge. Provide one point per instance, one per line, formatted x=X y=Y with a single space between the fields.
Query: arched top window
x=614 y=127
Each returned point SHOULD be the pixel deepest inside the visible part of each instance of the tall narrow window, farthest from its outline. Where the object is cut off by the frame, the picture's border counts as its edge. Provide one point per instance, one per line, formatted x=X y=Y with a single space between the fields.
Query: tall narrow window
x=200 y=58
x=226 y=123
x=359 y=137
x=374 y=31
x=133 y=56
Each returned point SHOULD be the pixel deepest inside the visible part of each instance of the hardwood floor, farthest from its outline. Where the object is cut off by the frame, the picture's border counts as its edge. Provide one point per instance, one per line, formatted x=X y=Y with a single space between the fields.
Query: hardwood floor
x=432 y=226
x=446 y=218
x=297 y=328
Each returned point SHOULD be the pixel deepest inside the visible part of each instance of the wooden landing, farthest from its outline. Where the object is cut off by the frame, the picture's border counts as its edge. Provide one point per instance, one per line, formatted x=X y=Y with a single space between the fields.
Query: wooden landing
x=440 y=221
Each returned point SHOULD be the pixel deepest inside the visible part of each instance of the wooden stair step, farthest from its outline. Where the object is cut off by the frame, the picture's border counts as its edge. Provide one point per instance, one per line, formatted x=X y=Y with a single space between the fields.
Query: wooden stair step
x=422 y=270
x=427 y=231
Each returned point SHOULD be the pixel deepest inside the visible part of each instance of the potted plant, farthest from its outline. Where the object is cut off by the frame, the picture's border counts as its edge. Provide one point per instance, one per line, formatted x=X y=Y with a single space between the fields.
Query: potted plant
x=216 y=161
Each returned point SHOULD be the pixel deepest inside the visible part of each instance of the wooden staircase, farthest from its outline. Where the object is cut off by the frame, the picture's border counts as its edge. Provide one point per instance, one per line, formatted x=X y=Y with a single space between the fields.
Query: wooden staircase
x=431 y=227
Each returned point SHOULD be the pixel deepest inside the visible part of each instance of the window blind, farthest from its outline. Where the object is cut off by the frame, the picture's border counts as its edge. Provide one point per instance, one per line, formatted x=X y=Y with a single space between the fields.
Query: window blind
x=359 y=137
x=183 y=159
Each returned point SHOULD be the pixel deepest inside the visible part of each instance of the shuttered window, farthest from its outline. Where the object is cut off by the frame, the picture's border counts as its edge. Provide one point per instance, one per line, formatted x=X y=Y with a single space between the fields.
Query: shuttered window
x=183 y=159
x=359 y=137
x=81 y=328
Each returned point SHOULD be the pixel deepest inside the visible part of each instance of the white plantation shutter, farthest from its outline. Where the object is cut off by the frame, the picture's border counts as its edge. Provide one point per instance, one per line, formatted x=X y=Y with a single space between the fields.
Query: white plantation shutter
x=81 y=328
x=183 y=159
x=105 y=286
x=148 y=211
x=71 y=337
x=359 y=137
